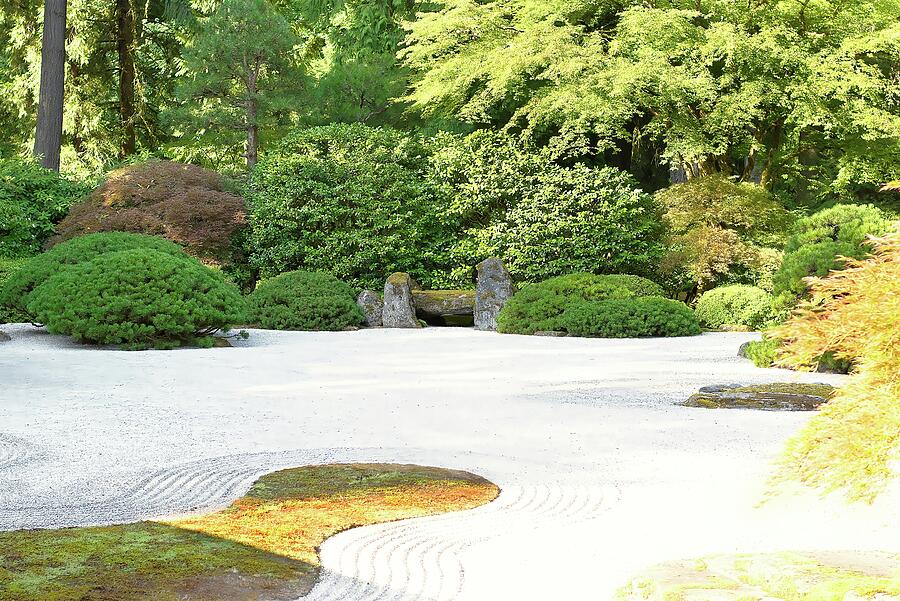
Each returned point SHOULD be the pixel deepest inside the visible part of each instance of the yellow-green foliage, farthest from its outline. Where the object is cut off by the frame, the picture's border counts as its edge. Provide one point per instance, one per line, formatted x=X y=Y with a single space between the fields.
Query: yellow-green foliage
x=855 y=313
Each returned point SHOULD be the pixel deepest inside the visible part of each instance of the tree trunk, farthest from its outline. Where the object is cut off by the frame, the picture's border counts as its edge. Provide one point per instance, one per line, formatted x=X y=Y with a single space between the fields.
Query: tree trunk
x=125 y=46
x=252 y=148
x=48 y=135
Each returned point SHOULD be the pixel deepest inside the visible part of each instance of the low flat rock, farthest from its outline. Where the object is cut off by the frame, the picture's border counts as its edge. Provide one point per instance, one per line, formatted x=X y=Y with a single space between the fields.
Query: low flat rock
x=765 y=397
x=444 y=302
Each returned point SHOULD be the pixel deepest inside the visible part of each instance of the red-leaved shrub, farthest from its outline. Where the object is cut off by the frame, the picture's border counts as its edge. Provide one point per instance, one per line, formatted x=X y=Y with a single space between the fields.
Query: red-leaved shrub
x=186 y=204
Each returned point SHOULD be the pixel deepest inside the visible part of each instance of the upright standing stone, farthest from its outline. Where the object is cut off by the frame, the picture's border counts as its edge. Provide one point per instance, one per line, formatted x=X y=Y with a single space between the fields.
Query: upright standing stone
x=399 y=309
x=372 y=307
x=493 y=288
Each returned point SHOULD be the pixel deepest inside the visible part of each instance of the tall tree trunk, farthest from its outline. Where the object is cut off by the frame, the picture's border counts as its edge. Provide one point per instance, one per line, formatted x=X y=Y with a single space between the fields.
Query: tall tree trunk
x=125 y=46
x=48 y=135
x=252 y=148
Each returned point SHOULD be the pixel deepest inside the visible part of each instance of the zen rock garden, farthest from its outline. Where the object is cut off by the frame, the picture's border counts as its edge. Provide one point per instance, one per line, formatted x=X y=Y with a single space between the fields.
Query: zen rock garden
x=406 y=305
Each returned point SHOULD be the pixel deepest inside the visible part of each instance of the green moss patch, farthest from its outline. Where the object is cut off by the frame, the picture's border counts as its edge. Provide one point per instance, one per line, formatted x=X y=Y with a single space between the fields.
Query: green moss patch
x=264 y=546
x=819 y=576
x=778 y=396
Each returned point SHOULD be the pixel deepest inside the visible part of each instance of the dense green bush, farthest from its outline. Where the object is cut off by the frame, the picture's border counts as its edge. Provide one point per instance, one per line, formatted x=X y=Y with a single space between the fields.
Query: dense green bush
x=763 y=352
x=720 y=231
x=302 y=300
x=352 y=201
x=543 y=219
x=140 y=297
x=629 y=318
x=536 y=307
x=735 y=305
x=816 y=243
x=32 y=201
x=16 y=290
x=7 y=268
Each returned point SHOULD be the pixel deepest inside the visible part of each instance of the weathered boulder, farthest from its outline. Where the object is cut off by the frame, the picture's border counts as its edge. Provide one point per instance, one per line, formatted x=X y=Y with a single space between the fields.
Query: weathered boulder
x=399 y=309
x=4 y=337
x=444 y=302
x=492 y=289
x=778 y=396
x=372 y=307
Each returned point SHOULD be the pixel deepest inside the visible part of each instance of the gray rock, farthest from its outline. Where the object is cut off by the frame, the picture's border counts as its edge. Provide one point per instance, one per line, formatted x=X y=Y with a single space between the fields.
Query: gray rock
x=444 y=302
x=493 y=288
x=372 y=307
x=399 y=309
x=4 y=337
x=742 y=350
x=777 y=396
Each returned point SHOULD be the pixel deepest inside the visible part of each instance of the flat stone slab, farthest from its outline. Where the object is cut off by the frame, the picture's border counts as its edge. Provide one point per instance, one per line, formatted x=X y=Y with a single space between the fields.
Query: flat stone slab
x=444 y=302
x=765 y=397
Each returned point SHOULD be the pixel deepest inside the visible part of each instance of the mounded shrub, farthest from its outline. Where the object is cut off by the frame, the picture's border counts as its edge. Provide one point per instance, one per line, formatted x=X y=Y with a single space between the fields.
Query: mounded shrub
x=629 y=318
x=140 y=298
x=537 y=306
x=354 y=201
x=189 y=205
x=817 y=243
x=302 y=300
x=764 y=352
x=737 y=305
x=32 y=201
x=16 y=290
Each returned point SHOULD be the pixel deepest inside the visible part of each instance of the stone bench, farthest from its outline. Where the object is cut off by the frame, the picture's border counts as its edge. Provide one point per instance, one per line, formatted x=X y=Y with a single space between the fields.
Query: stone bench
x=405 y=302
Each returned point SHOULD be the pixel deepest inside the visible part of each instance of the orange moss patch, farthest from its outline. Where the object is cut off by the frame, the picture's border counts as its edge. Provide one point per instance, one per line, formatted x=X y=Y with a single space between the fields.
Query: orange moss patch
x=262 y=546
x=295 y=527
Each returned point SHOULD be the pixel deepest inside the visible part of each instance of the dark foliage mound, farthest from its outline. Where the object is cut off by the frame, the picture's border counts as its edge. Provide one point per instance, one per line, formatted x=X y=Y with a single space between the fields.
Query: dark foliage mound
x=537 y=306
x=16 y=289
x=32 y=201
x=186 y=204
x=629 y=318
x=302 y=300
x=140 y=298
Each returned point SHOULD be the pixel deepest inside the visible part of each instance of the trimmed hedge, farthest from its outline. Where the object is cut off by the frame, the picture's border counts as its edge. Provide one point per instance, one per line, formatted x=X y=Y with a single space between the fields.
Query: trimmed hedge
x=140 y=298
x=629 y=318
x=7 y=268
x=302 y=300
x=735 y=305
x=16 y=290
x=537 y=306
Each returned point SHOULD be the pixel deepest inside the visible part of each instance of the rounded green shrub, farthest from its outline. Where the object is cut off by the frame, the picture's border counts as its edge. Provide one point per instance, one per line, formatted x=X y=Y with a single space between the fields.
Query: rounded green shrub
x=629 y=318
x=536 y=307
x=764 y=352
x=817 y=242
x=7 y=268
x=140 y=297
x=736 y=305
x=302 y=300
x=16 y=290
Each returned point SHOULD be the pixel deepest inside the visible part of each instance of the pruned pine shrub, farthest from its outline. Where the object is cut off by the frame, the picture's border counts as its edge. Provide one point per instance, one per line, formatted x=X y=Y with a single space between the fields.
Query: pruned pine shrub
x=735 y=306
x=537 y=307
x=16 y=289
x=302 y=300
x=854 y=442
x=140 y=298
x=629 y=318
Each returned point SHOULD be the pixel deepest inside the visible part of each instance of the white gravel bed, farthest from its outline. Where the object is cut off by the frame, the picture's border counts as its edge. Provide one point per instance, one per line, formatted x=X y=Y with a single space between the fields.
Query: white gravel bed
x=602 y=474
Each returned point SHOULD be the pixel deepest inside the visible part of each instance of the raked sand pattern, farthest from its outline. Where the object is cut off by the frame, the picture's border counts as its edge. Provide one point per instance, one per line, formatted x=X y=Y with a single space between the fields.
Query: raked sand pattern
x=601 y=474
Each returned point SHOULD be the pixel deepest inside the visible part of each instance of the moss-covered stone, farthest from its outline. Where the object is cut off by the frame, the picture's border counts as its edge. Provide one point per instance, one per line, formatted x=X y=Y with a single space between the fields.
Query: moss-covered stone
x=778 y=396
x=444 y=302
